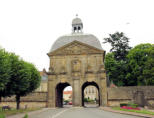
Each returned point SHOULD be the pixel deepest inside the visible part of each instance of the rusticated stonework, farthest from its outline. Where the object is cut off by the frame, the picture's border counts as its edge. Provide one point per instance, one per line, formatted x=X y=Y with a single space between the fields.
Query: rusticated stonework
x=78 y=65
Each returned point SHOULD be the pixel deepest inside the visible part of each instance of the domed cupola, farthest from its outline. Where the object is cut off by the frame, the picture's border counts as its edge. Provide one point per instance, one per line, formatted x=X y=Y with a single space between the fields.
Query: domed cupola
x=76 y=35
x=77 y=25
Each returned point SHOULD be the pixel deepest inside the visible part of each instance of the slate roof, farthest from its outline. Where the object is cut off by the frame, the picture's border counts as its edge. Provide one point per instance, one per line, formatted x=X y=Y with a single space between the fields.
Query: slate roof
x=81 y=37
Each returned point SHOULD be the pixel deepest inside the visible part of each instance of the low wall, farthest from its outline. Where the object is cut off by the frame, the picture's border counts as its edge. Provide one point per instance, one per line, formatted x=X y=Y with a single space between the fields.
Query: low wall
x=24 y=105
x=142 y=95
x=32 y=100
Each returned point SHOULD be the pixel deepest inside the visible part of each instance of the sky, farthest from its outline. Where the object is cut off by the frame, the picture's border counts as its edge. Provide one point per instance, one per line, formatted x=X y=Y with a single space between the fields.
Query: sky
x=30 y=27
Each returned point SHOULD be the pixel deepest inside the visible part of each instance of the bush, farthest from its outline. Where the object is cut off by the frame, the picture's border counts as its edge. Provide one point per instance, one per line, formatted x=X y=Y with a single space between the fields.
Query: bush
x=123 y=104
x=85 y=99
x=67 y=101
x=130 y=104
x=26 y=116
x=133 y=105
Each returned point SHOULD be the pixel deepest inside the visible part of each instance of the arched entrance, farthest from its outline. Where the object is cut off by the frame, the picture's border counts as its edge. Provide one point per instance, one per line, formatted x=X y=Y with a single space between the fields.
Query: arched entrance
x=76 y=59
x=86 y=84
x=67 y=96
x=59 y=93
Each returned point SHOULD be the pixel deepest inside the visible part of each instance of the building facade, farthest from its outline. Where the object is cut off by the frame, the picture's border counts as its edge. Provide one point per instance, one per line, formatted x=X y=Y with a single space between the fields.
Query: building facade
x=67 y=95
x=76 y=60
x=91 y=92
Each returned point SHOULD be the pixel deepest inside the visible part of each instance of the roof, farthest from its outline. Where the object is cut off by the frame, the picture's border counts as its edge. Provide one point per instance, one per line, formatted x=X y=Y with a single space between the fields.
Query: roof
x=76 y=21
x=67 y=92
x=88 y=39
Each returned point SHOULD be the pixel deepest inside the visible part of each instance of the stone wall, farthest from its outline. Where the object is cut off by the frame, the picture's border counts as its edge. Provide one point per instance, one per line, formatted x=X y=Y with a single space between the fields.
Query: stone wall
x=142 y=95
x=32 y=100
x=24 y=105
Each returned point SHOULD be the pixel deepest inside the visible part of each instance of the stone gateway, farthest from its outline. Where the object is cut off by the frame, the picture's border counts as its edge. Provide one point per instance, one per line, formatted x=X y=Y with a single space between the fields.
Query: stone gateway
x=76 y=60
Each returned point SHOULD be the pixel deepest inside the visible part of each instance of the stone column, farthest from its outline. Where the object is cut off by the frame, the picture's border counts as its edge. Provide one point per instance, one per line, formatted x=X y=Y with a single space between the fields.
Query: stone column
x=76 y=90
x=103 y=90
x=51 y=91
x=104 y=93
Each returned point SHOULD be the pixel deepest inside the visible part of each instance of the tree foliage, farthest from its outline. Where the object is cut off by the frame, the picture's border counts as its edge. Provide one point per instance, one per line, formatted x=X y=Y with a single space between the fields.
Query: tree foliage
x=17 y=77
x=137 y=69
x=35 y=78
x=24 y=78
x=116 y=61
x=126 y=66
x=4 y=69
x=119 y=45
x=141 y=65
x=115 y=70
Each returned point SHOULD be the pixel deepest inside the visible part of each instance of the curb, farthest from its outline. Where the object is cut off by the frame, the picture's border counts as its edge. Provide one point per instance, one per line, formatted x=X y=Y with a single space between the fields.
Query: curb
x=127 y=113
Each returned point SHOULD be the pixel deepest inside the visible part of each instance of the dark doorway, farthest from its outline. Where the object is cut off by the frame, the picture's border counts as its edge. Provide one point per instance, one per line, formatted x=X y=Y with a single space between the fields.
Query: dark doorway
x=88 y=93
x=59 y=93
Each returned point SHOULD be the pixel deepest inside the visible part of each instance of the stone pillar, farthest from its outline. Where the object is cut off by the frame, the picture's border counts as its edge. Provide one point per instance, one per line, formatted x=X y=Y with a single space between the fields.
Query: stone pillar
x=76 y=90
x=103 y=90
x=139 y=98
x=51 y=91
x=104 y=93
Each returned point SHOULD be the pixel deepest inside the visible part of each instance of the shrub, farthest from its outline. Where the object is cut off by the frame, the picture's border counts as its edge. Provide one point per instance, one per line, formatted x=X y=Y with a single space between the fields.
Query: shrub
x=132 y=105
x=85 y=99
x=67 y=101
x=123 y=104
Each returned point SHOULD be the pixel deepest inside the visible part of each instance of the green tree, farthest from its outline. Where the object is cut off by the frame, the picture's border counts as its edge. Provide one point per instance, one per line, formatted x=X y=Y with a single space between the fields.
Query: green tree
x=24 y=78
x=119 y=45
x=5 y=70
x=35 y=77
x=115 y=70
x=116 y=61
x=141 y=65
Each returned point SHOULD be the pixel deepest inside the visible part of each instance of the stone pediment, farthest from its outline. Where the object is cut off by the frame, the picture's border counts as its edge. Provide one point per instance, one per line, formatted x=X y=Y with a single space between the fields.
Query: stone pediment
x=76 y=48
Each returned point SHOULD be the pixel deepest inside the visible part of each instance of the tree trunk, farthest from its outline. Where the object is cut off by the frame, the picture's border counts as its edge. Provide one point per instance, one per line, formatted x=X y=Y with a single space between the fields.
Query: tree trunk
x=18 y=101
x=0 y=99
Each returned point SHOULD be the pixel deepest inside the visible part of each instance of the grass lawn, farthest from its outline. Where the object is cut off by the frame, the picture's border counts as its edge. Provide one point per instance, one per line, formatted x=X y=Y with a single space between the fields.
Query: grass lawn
x=14 y=111
x=137 y=111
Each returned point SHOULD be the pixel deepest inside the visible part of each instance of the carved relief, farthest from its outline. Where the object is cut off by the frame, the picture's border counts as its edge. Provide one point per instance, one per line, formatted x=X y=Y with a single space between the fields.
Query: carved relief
x=89 y=69
x=76 y=66
x=76 y=48
x=62 y=70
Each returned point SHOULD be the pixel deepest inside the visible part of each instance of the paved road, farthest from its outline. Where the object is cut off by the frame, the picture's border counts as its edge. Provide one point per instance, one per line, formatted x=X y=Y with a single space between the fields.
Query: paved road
x=77 y=112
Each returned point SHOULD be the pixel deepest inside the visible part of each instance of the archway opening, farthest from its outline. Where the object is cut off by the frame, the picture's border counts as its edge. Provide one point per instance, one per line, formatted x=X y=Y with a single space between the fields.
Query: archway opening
x=67 y=96
x=90 y=95
x=60 y=94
